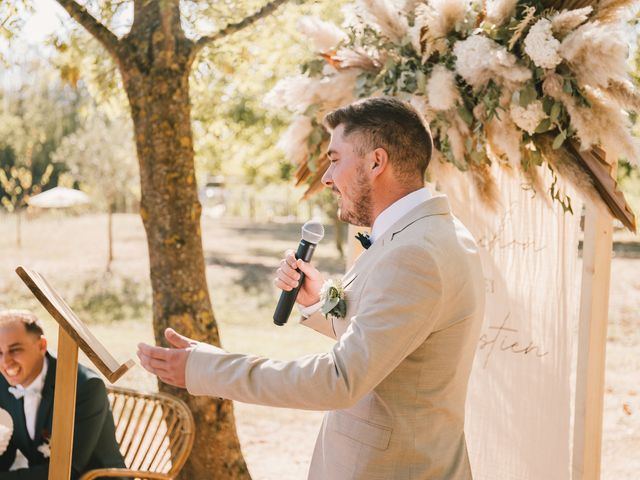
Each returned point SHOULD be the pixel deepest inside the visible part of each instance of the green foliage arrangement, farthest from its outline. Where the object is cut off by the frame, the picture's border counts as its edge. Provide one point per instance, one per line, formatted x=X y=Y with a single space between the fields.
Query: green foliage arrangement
x=518 y=83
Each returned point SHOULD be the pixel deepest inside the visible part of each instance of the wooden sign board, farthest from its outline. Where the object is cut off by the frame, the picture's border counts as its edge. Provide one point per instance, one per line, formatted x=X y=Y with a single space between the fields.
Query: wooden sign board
x=73 y=326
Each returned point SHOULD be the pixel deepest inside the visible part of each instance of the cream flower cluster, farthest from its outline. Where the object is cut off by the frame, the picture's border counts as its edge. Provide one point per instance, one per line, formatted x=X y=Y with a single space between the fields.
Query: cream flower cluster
x=528 y=118
x=541 y=46
x=479 y=59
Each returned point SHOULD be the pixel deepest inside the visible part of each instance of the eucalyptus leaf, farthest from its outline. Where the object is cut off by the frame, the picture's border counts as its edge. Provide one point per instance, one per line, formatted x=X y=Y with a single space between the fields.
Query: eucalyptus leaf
x=465 y=114
x=559 y=140
x=543 y=126
x=527 y=95
x=567 y=87
x=330 y=304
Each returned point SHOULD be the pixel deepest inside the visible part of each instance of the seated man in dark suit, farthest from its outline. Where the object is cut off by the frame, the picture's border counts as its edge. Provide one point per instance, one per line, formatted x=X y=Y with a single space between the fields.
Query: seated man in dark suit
x=26 y=392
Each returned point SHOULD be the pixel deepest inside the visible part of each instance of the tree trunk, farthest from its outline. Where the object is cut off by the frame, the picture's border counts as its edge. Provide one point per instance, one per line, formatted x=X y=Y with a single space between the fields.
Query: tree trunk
x=154 y=60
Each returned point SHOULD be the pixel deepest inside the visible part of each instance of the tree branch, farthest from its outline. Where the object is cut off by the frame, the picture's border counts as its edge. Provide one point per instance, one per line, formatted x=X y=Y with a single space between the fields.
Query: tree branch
x=232 y=28
x=101 y=33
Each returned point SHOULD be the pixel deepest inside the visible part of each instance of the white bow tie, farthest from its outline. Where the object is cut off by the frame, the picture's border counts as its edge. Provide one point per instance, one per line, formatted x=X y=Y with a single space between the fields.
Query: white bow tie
x=19 y=391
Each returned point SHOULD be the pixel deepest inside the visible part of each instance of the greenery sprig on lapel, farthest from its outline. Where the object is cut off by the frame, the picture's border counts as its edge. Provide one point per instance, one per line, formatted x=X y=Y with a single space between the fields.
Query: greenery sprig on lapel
x=332 y=298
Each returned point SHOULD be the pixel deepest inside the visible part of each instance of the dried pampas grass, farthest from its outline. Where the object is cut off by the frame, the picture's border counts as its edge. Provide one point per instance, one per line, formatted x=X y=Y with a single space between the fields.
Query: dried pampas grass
x=441 y=16
x=442 y=91
x=504 y=138
x=357 y=58
x=567 y=20
x=295 y=93
x=386 y=15
x=613 y=10
x=500 y=11
x=596 y=53
x=485 y=184
x=625 y=94
x=604 y=124
x=456 y=144
x=325 y=35
x=294 y=142
x=337 y=90
x=569 y=170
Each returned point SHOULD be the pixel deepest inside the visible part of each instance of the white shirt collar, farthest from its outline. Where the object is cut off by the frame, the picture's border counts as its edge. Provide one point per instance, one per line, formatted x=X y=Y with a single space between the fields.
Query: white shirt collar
x=396 y=211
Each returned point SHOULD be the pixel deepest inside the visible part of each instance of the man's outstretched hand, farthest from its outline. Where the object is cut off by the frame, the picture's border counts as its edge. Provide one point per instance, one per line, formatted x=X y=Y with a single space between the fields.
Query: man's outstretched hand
x=169 y=364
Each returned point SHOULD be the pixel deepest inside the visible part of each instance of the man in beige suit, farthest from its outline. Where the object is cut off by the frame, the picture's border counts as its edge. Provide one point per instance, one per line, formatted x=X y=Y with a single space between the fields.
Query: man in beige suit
x=395 y=383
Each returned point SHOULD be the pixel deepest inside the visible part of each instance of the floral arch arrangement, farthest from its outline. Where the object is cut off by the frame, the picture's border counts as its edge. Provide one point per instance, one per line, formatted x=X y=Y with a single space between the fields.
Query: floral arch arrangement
x=524 y=84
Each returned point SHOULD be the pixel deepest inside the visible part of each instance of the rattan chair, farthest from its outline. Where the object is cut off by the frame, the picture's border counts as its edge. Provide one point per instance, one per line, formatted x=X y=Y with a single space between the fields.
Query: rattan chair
x=155 y=432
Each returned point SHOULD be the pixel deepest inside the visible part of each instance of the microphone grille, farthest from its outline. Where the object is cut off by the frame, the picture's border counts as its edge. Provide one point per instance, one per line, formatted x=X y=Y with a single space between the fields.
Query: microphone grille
x=312 y=232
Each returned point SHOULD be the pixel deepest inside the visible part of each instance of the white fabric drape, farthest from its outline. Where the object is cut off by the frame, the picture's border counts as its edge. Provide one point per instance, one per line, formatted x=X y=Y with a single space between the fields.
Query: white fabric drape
x=519 y=402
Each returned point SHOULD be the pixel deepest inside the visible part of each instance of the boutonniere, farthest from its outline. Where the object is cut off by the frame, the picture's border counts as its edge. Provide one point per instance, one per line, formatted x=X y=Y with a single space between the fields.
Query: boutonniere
x=332 y=298
x=45 y=448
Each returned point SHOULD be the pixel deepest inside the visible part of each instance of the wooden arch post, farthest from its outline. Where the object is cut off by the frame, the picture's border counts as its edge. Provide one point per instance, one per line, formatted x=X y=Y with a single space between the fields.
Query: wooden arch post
x=592 y=343
x=73 y=333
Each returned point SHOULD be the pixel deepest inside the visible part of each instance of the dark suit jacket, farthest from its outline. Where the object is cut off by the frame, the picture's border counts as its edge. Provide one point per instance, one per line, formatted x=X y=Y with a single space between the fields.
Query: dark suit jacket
x=94 y=443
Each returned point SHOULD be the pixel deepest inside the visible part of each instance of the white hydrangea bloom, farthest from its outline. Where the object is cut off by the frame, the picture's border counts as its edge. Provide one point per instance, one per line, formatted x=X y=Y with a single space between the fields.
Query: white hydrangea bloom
x=480 y=59
x=541 y=46
x=528 y=118
x=441 y=89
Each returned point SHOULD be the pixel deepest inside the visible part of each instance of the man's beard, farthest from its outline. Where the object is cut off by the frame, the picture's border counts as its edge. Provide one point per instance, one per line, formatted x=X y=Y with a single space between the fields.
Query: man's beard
x=360 y=212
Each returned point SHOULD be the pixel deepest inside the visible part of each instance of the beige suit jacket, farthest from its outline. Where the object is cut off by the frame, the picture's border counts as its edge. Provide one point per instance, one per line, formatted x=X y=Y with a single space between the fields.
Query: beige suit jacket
x=395 y=383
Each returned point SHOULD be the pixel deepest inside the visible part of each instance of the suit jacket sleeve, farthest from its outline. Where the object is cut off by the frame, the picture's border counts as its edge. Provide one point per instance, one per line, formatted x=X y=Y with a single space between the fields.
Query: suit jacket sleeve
x=400 y=305
x=91 y=410
x=7 y=458
x=318 y=322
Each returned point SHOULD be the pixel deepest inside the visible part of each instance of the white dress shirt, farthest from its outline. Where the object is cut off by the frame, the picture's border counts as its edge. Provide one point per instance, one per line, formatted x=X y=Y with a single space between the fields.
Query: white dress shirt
x=32 y=397
x=383 y=222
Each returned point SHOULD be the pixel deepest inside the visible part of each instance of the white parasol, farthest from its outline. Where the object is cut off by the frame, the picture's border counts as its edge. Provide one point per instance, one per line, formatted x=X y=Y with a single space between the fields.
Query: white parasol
x=59 y=197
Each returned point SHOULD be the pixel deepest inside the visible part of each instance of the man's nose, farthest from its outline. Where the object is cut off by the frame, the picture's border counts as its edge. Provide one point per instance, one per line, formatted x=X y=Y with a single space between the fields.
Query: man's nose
x=327 y=181
x=6 y=360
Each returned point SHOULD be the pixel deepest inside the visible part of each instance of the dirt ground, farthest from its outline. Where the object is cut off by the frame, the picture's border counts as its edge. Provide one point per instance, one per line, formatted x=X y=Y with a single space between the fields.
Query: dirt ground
x=240 y=257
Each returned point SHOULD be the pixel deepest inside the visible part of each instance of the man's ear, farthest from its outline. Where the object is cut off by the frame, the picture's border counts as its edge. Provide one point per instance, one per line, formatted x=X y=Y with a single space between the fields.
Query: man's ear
x=380 y=161
x=43 y=344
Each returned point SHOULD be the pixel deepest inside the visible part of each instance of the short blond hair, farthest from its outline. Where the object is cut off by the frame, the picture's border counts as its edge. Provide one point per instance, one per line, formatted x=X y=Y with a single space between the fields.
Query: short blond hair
x=31 y=323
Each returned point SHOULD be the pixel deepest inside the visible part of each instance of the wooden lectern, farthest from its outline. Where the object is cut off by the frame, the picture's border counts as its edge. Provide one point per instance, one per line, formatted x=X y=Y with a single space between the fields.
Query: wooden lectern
x=71 y=334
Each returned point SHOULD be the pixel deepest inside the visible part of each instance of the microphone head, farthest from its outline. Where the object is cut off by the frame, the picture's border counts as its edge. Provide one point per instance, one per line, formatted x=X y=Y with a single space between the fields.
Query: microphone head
x=312 y=232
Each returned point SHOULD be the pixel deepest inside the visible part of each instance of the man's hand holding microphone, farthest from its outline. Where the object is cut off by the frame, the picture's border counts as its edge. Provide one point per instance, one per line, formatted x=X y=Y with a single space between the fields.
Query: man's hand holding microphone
x=291 y=276
x=288 y=278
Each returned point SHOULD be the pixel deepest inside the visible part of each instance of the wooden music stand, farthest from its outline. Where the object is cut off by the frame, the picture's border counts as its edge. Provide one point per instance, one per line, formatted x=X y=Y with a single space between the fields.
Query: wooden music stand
x=72 y=332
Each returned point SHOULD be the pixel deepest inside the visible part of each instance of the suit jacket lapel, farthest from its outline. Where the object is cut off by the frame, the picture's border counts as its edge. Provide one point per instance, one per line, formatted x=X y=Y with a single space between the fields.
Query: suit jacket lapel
x=46 y=402
x=436 y=205
x=16 y=408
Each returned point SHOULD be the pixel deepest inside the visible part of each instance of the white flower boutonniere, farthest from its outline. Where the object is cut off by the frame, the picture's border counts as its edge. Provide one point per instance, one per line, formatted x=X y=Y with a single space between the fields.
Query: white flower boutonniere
x=45 y=448
x=332 y=298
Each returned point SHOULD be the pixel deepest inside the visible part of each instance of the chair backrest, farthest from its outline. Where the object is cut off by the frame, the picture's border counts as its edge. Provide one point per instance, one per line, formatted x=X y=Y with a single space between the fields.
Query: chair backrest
x=155 y=431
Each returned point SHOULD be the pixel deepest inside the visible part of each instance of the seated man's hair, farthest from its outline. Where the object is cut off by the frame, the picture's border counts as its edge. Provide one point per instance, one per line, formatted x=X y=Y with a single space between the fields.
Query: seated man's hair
x=31 y=323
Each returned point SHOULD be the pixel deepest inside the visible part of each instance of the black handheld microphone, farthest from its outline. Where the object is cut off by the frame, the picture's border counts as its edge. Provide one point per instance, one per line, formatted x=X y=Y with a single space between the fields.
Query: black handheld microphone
x=312 y=233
